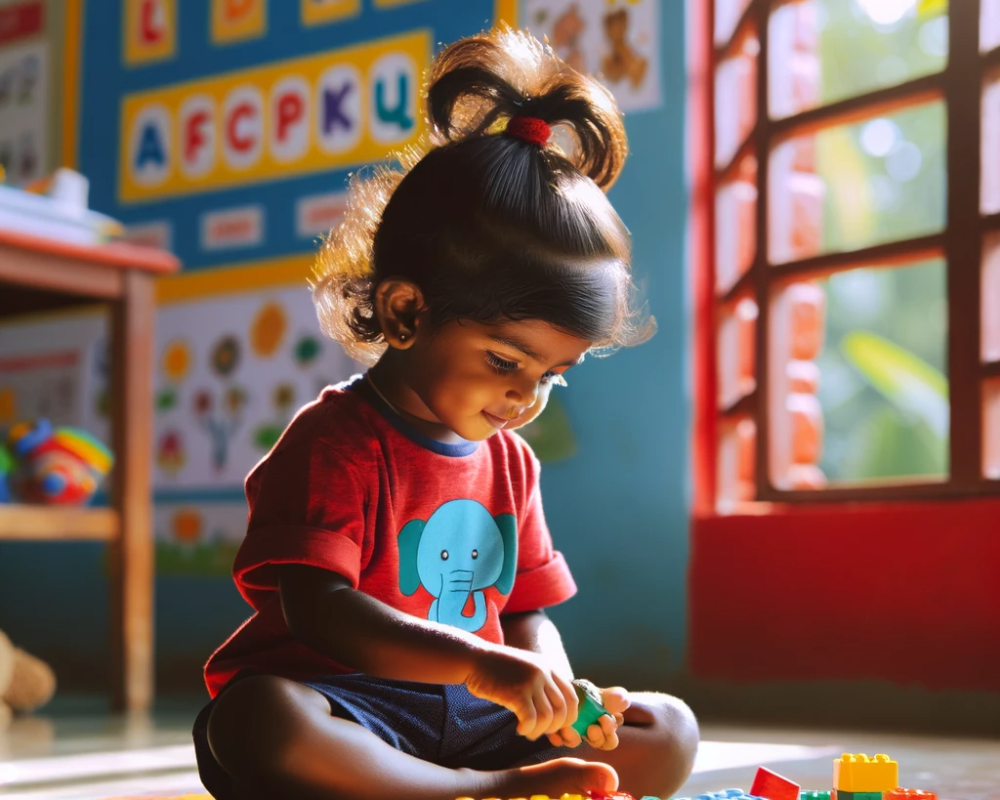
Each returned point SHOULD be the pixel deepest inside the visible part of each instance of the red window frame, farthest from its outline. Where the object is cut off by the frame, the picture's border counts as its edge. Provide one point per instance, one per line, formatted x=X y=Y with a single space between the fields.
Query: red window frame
x=811 y=586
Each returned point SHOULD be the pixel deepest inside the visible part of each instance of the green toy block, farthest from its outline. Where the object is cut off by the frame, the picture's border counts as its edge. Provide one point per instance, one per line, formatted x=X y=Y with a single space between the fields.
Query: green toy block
x=814 y=796
x=840 y=795
x=591 y=709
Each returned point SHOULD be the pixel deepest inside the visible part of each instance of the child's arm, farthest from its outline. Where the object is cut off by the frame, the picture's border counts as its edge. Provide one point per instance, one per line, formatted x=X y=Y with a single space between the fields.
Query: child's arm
x=356 y=630
x=325 y=613
x=535 y=632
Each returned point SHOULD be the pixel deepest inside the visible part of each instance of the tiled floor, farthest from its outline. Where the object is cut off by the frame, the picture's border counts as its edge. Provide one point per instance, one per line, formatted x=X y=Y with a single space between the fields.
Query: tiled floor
x=77 y=754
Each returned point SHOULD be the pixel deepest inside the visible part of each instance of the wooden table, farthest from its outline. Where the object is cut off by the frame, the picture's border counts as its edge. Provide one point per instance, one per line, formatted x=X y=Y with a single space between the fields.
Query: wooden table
x=39 y=274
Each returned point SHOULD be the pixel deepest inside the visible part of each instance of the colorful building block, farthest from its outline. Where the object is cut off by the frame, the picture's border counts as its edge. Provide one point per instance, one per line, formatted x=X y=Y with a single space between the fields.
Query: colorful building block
x=773 y=786
x=824 y=795
x=841 y=795
x=858 y=773
x=909 y=794
x=590 y=709
x=726 y=794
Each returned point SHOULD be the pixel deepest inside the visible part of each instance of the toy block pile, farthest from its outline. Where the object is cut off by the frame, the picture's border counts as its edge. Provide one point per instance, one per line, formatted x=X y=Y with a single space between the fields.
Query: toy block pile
x=855 y=777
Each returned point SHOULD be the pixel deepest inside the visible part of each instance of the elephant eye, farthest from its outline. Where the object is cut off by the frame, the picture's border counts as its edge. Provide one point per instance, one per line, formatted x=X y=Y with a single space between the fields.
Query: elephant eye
x=444 y=555
x=475 y=554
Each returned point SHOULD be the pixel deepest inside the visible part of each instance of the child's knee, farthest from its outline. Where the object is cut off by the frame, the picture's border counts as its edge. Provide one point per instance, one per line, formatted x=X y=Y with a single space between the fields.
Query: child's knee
x=676 y=737
x=249 y=728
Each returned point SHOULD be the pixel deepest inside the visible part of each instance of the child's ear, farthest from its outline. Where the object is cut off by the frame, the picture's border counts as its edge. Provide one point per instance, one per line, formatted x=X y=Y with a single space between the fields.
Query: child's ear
x=398 y=304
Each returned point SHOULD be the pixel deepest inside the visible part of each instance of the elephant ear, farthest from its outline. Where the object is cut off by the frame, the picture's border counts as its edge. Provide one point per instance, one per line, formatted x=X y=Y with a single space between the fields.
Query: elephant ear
x=408 y=541
x=507 y=524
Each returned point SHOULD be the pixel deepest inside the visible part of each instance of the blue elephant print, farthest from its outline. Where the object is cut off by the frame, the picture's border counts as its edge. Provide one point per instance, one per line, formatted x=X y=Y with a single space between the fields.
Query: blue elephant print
x=454 y=555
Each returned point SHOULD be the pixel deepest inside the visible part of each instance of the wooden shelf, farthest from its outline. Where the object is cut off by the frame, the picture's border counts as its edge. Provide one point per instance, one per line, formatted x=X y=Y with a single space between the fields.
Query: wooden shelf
x=56 y=523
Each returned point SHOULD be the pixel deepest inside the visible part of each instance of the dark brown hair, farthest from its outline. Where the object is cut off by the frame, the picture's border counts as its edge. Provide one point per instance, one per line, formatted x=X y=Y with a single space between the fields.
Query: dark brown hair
x=489 y=226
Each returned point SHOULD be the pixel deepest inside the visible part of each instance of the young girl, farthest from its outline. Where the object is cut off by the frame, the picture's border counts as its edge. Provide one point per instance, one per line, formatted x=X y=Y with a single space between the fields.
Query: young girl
x=397 y=556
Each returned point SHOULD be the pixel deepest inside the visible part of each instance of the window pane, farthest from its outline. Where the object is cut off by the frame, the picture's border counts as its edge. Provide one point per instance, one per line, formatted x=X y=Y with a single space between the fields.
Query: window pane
x=858 y=379
x=736 y=350
x=736 y=226
x=735 y=99
x=989 y=197
x=990 y=301
x=991 y=429
x=821 y=51
x=727 y=16
x=989 y=24
x=737 y=442
x=858 y=185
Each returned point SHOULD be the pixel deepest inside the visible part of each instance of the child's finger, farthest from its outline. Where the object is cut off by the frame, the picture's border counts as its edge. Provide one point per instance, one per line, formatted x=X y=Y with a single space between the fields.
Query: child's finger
x=603 y=734
x=569 y=693
x=557 y=701
x=570 y=737
x=556 y=740
x=615 y=699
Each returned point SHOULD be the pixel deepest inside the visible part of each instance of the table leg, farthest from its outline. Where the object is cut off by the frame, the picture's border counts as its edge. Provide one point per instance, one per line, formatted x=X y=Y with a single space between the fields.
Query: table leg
x=132 y=554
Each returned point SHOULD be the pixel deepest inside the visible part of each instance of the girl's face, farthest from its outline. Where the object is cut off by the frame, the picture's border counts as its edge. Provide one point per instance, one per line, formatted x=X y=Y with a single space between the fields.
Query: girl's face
x=475 y=379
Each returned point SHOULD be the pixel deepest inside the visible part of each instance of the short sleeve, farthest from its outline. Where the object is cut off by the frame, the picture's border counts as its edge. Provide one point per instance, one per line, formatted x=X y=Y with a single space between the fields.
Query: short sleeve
x=543 y=577
x=307 y=506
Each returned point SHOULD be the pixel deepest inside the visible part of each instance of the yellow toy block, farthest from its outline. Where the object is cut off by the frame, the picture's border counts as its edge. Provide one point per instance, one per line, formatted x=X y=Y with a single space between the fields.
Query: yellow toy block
x=534 y=797
x=858 y=773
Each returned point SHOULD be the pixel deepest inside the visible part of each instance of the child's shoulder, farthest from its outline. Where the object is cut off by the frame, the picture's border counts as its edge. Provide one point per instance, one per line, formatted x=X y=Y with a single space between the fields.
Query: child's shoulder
x=338 y=417
x=517 y=452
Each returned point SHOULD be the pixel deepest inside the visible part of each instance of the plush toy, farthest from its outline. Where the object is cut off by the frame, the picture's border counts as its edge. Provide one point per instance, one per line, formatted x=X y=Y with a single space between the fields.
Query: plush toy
x=56 y=466
x=26 y=682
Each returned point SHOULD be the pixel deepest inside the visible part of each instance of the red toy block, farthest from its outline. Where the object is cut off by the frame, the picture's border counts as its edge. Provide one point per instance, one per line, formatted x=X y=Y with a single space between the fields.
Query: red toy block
x=773 y=787
x=909 y=794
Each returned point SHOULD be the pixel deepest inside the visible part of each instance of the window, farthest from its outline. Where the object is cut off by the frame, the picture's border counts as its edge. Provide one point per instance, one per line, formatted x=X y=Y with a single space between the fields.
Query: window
x=852 y=299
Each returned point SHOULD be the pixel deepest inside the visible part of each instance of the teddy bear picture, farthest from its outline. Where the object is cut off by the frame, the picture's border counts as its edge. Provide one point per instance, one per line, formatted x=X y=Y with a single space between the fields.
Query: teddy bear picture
x=623 y=62
x=616 y=41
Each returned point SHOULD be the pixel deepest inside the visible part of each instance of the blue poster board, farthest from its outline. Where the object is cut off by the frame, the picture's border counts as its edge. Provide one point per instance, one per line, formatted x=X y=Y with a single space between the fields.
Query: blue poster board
x=229 y=126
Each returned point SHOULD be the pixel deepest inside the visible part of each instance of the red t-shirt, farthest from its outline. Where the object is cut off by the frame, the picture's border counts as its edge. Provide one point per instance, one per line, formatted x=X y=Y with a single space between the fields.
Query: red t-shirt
x=453 y=533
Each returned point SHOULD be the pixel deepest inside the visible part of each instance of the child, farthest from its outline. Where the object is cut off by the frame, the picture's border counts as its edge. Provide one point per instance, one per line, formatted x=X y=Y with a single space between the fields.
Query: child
x=396 y=555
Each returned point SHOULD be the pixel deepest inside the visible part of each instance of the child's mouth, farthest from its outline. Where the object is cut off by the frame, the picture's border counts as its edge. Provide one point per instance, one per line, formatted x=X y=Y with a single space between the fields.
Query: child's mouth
x=497 y=422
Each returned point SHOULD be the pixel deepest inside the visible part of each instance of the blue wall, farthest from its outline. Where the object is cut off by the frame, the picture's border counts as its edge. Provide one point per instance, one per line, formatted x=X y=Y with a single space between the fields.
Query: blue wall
x=618 y=509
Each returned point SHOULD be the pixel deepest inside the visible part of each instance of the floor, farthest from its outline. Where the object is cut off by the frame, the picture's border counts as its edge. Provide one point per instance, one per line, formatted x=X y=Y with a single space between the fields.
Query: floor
x=75 y=753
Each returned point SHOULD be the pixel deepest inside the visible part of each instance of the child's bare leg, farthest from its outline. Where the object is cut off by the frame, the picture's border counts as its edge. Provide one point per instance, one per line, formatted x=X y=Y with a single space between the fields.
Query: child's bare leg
x=276 y=738
x=656 y=746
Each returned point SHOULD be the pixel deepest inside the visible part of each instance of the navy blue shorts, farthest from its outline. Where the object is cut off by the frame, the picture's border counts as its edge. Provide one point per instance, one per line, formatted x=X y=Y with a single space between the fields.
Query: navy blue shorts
x=445 y=725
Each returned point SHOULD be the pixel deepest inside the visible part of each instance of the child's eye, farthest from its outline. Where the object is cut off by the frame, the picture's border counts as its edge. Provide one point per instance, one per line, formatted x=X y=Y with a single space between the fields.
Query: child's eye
x=499 y=364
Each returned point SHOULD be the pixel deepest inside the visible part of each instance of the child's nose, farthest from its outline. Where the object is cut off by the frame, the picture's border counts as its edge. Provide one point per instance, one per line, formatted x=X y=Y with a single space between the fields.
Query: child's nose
x=525 y=394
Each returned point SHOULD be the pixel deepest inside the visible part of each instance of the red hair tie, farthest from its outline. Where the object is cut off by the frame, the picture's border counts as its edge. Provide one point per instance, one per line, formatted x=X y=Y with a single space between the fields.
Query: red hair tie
x=530 y=129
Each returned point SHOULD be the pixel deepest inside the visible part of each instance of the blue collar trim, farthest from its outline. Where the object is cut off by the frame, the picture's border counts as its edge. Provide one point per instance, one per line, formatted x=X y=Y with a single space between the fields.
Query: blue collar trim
x=411 y=432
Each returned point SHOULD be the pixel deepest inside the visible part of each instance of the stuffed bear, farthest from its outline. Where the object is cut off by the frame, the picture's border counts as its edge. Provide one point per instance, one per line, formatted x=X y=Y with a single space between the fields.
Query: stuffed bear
x=26 y=682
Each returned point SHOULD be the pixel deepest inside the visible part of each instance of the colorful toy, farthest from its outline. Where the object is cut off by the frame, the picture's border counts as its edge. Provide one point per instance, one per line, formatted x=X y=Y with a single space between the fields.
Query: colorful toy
x=857 y=771
x=855 y=774
x=590 y=709
x=6 y=469
x=56 y=466
x=773 y=786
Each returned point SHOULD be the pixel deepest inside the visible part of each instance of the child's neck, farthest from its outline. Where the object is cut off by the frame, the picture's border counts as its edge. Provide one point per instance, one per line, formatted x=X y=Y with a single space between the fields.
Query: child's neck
x=387 y=381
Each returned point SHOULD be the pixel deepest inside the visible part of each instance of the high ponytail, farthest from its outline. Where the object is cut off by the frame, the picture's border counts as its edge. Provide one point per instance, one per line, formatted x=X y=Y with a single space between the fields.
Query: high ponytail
x=492 y=227
x=488 y=78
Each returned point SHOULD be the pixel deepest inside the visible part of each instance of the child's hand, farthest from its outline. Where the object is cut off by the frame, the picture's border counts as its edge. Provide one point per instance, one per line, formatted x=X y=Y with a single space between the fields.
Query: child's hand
x=602 y=735
x=543 y=701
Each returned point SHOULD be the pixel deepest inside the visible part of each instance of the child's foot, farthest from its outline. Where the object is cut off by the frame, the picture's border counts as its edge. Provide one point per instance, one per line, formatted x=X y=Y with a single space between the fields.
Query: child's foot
x=554 y=778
